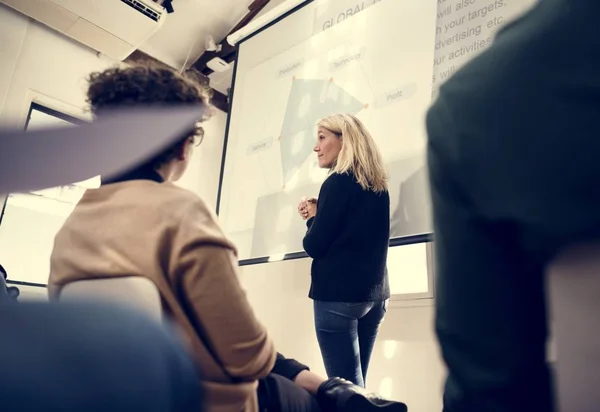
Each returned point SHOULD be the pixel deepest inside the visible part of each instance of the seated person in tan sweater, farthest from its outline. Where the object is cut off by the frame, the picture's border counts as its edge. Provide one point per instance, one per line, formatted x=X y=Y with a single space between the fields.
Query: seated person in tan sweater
x=141 y=224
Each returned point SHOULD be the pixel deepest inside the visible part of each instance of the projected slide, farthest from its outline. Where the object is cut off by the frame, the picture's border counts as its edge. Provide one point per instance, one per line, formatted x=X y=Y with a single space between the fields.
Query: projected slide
x=381 y=60
x=309 y=101
x=372 y=60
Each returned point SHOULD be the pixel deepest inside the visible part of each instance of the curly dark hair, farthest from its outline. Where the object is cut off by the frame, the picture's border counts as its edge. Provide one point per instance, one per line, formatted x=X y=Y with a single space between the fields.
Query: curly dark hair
x=148 y=84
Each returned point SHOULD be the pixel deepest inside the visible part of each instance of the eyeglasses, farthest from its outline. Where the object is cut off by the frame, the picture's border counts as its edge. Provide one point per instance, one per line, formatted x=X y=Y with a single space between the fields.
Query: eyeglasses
x=197 y=139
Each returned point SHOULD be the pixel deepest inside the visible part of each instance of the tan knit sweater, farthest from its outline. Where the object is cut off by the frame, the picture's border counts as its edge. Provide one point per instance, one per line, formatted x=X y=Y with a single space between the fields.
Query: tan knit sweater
x=168 y=235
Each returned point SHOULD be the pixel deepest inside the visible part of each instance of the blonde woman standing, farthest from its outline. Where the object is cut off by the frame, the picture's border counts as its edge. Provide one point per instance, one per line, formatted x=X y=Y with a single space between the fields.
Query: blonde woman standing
x=347 y=237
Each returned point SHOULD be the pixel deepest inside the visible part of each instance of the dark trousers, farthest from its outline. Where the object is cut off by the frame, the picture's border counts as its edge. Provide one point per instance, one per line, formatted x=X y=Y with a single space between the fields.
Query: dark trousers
x=346 y=332
x=91 y=358
x=278 y=392
x=515 y=177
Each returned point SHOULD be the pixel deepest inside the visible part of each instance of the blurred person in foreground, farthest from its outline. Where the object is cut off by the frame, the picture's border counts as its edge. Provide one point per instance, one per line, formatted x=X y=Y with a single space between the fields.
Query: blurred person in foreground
x=93 y=358
x=513 y=163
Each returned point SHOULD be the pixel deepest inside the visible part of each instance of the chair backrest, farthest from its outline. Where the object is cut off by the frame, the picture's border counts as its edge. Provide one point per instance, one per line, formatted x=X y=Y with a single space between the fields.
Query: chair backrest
x=134 y=291
x=574 y=291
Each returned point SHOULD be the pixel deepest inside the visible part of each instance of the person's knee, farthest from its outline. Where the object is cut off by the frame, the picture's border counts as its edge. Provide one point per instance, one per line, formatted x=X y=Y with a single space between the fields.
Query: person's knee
x=136 y=361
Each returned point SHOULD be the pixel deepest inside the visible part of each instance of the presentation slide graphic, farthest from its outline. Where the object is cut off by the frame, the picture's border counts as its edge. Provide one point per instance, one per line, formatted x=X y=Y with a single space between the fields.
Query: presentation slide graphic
x=381 y=60
x=309 y=101
x=277 y=225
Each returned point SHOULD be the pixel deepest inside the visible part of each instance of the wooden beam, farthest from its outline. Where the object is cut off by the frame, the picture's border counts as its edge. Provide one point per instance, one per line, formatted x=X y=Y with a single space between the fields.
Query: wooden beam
x=254 y=8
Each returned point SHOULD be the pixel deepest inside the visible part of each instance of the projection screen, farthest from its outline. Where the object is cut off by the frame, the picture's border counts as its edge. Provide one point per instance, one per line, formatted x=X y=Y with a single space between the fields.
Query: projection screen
x=381 y=60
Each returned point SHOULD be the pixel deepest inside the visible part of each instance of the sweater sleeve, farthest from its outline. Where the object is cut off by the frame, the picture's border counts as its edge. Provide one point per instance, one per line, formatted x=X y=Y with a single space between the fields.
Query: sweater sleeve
x=206 y=270
x=325 y=226
x=288 y=368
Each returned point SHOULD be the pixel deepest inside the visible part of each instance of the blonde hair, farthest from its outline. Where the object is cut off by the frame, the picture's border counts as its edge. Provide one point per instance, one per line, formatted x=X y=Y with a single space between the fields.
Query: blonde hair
x=359 y=154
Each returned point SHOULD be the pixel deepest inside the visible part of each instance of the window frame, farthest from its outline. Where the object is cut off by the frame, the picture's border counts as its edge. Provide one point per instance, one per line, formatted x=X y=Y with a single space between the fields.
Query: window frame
x=34 y=105
x=59 y=110
x=422 y=298
x=46 y=105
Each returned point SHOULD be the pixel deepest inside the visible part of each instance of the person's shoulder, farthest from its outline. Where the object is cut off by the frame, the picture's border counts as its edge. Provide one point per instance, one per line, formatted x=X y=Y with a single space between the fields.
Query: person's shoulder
x=168 y=200
x=331 y=185
x=192 y=216
x=184 y=200
x=340 y=179
x=173 y=192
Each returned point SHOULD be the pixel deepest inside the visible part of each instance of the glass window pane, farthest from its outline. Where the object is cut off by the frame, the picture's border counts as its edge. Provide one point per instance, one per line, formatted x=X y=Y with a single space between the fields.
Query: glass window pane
x=407 y=268
x=31 y=220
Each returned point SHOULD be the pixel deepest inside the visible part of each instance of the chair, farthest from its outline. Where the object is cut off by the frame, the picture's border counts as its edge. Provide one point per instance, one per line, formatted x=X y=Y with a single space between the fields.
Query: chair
x=134 y=291
x=574 y=292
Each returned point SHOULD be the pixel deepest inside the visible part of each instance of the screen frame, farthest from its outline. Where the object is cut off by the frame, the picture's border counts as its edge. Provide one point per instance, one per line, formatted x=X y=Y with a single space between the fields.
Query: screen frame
x=394 y=242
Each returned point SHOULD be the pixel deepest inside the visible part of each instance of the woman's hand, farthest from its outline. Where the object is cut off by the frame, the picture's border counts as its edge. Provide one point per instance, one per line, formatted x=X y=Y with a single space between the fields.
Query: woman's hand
x=307 y=207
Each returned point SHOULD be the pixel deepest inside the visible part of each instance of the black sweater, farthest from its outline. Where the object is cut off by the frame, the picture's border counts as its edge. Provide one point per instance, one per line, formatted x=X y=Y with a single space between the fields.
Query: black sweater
x=348 y=241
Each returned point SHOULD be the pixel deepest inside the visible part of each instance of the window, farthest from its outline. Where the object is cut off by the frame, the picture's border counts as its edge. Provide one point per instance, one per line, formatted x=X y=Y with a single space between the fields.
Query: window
x=31 y=220
x=411 y=272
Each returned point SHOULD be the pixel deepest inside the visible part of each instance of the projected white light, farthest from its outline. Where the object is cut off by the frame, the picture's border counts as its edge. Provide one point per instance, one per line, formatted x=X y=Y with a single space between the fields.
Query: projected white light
x=389 y=348
x=292 y=182
x=284 y=219
x=297 y=144
x=310 y=69
x=304 y=105
x=386 y=386
x=315 y=42
x=277 y=253
x=277 y=257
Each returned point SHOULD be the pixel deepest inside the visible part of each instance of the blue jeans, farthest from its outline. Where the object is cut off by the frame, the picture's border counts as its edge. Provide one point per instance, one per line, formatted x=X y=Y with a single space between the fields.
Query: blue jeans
x=346 y=332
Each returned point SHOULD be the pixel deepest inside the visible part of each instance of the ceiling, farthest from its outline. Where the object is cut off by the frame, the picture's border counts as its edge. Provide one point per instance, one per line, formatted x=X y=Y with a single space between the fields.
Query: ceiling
x=184 y=30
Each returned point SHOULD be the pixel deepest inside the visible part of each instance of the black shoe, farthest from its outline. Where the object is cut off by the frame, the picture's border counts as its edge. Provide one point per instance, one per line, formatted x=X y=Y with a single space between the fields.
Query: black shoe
x=340 y=395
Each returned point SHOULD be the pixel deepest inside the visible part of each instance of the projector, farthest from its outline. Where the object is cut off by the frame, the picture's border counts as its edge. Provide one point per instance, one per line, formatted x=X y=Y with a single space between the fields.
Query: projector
x=217 y=65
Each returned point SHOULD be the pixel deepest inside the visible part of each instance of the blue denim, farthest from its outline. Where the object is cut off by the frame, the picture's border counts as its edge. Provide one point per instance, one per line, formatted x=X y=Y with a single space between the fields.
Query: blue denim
x=346 y=332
